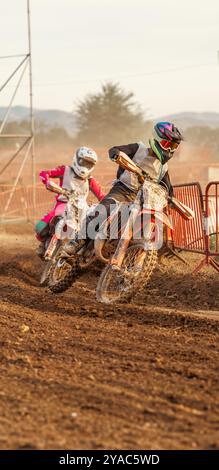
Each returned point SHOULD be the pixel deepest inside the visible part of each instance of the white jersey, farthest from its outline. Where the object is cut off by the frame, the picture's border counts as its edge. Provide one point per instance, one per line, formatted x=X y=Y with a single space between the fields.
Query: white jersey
x=73 y=183
x=155 y=169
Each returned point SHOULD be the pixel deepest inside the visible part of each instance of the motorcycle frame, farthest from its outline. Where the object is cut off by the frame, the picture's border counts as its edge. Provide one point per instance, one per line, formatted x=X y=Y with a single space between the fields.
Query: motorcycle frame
x=128 y=233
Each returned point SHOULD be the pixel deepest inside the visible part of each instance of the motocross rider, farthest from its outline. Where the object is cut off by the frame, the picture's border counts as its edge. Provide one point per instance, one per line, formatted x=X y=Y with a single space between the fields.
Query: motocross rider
x=76 y=176
x=153 y=160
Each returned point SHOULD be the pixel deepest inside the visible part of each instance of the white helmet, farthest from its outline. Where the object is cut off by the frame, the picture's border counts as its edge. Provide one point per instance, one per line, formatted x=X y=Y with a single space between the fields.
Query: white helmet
x=84 y=161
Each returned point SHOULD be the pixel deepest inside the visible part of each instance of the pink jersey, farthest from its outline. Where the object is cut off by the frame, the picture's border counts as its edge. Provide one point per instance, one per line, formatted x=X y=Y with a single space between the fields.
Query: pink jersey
x=69 y=180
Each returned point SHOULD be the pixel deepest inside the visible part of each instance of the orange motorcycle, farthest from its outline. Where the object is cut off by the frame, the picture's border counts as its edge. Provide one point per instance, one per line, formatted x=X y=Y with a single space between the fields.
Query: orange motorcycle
x=127 y=243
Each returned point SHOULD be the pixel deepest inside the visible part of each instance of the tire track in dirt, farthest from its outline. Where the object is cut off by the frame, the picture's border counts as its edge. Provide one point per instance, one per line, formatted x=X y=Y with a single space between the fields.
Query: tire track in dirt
x=77 y=374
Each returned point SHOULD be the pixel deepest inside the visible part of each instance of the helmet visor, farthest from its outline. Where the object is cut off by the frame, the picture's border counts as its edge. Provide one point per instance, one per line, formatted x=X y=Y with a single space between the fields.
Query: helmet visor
x=169 y=145
x=86 y=163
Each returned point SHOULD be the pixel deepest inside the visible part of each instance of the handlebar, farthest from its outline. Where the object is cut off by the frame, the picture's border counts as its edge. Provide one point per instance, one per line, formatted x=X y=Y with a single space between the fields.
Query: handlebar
x=125 y=162
x=55 y=188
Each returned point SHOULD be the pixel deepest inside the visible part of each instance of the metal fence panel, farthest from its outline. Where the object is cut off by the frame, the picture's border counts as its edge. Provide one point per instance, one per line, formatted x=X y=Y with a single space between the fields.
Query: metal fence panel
x=189 y=235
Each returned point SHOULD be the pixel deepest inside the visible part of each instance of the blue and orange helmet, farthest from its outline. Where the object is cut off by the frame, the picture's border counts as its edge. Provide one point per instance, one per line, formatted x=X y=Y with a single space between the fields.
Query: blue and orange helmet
x=166 y=139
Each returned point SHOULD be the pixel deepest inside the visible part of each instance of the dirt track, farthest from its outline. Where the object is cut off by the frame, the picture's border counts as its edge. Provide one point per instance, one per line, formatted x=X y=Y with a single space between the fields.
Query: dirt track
x=75 y=374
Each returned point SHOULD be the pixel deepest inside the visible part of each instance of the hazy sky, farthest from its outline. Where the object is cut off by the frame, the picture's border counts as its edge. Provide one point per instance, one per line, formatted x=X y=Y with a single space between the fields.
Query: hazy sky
x=163 y=50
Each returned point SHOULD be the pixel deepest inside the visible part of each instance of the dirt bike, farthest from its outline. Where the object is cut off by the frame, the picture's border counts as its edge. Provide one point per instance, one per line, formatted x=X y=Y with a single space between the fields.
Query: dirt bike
x=135 y=258
x=130 y=258
x=61 y=228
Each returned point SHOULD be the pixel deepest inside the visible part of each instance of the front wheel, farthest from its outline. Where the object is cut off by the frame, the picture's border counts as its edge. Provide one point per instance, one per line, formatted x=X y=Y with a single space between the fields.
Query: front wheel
x=45 y=274
x=62 y=275
x=44 y=279
x=66 y=270
x=119 y=284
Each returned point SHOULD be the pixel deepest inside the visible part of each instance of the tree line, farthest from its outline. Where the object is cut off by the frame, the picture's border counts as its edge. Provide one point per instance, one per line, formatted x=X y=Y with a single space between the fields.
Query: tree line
x=106 y=118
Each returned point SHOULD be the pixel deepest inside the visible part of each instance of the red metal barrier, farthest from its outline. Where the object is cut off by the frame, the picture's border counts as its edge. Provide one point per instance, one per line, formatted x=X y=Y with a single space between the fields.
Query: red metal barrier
x=211 y=226
x=200 y=235
x=189 y=235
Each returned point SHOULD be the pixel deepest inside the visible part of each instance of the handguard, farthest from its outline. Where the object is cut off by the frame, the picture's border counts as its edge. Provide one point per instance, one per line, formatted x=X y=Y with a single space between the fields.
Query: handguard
x=55 y=188
x=127 y=164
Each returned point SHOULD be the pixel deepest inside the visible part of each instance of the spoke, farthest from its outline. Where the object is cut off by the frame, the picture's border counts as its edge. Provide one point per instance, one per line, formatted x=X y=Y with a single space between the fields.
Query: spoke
x=61 y=270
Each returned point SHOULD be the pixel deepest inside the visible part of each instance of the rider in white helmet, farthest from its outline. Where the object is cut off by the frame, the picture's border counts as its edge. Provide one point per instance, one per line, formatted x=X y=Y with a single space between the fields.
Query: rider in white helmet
x=84 y=161
x=76 y=176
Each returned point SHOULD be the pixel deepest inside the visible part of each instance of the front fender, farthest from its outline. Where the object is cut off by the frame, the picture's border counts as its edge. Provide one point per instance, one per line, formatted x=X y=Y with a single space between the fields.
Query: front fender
x=158 y=215
x=59 y=229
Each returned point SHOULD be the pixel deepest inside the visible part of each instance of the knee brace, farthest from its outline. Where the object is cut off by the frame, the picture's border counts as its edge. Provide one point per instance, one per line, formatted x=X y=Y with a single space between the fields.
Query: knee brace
x=42 y=230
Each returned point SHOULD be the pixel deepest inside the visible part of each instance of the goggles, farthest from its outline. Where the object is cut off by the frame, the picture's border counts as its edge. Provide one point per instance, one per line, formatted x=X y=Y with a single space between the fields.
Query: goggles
x=168 y=145
x=86 y=163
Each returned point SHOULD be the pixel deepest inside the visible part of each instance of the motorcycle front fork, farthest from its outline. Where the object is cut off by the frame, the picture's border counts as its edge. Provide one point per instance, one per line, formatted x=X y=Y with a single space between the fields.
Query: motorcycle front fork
x=51 y=248
x=123 y=244
x=126 y=235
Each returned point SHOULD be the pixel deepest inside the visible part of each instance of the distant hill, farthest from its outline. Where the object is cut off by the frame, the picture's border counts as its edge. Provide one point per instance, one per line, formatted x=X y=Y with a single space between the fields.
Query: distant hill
x=50 y=117
x=66 y=120
x=192 y=119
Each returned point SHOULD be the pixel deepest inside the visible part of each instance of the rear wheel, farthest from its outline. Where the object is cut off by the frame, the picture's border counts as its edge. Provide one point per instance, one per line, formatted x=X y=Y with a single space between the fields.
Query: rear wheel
x=119 y=284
